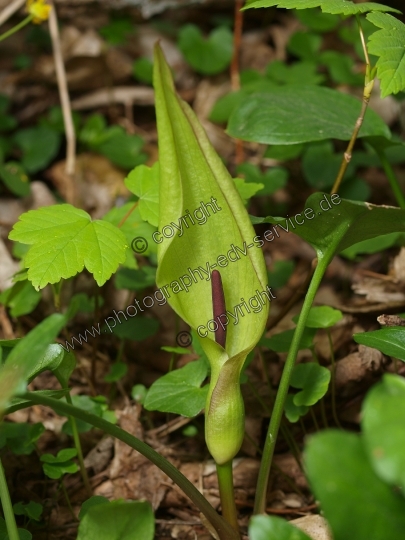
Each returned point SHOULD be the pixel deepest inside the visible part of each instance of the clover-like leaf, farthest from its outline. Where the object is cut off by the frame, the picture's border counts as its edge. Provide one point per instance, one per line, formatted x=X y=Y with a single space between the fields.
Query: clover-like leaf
x=143 y=181
x=292 y=411
x=322 y=317
x=64 y=240
x=389 y=44
x=56 y=466
x=314 y=381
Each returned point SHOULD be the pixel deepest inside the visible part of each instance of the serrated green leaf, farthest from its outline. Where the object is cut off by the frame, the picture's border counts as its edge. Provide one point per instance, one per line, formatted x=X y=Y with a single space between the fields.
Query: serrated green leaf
x=389 y=340
x=314 y=381
x=118 y=520
x=143 y=181
x=179 y=391
x=389 y=44
x=64 y=241
x=346 y=7
x=289 y=4
x=298 y=113
x=274 y=528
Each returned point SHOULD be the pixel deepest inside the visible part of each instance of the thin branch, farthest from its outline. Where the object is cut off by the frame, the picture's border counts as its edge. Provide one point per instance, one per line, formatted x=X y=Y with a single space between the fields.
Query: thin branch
x=63 y=93
x=10 y=10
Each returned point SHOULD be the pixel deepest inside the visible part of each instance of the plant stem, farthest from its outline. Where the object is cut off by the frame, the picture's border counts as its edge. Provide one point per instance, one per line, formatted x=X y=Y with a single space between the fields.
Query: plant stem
x=224 y=530
x=393 y=180
x=278 y=409
x=7 y=507
x=332 y=382
x=368 y=87
x=78 y=447
x=225 y=482
x=15 y=28
x=62 y=485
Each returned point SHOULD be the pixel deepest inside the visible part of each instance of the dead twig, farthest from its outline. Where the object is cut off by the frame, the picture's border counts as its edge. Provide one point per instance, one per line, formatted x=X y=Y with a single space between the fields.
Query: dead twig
x=10 y=10
x=63 y=93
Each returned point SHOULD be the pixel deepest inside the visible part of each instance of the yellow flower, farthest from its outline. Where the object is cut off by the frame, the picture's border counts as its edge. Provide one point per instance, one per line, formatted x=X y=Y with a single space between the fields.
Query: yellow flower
x=39 y=10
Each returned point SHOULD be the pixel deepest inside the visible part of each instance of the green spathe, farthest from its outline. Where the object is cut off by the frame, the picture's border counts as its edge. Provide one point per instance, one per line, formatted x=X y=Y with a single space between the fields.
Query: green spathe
x=192 y=173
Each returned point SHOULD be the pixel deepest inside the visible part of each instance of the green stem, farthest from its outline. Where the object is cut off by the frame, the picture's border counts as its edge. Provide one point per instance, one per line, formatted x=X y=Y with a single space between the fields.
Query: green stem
x=393 y=180
x=225 y=482
x=78 y=446
x=7 y=507
x=17 y=27
x=332 y=380
x=278 y=409
x=224 y=530
x=62 y=485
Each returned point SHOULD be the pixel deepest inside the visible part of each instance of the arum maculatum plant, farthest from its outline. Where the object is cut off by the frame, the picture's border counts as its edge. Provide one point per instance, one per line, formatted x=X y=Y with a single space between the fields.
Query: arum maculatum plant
x=227 y=303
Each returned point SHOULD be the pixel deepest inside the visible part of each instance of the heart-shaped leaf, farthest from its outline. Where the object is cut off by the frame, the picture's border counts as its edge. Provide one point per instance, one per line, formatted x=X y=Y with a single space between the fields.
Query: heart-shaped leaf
x=314 y=381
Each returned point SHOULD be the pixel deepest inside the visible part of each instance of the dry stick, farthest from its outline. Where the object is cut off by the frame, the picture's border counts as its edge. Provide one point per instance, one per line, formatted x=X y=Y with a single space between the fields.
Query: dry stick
x=235 y=78
x=63 y=93
x=368 y=87
x=10 y=10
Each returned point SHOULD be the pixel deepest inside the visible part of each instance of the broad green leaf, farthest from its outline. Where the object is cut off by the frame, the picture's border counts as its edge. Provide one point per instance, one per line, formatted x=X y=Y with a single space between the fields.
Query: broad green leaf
x=95 y=500
x=389 y=340
x=389 y=44
x=383 y=429
x=341 y=68
x=282 y=342
x=322 y=317
x=25 y=355
x=314 y=381
x=342 y=222
x=194 y=175
x=15 y=178
x=355 y=502
x=274 y=528
x=297 y=113
x=284 y=152
x=64 y=241
x=143 y=181
x=118 y=520
x=39 y=146
x=379 y=243
x=206 y=56
x=179 y=391
x=292 y=411
x=21 y=298
x=51 y=360
x=289 y=4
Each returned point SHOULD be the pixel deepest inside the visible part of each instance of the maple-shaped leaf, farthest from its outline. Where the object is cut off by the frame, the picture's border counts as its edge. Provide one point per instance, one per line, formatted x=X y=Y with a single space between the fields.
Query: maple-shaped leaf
x=64 y=240
x=336 y=7
x=389 y=44
x=143 y=181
